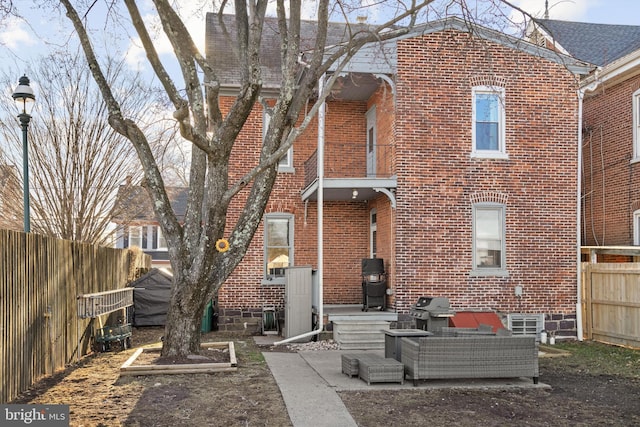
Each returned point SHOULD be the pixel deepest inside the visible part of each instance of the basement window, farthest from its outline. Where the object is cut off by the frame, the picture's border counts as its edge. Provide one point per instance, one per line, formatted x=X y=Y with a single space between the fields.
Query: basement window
x=526 y=324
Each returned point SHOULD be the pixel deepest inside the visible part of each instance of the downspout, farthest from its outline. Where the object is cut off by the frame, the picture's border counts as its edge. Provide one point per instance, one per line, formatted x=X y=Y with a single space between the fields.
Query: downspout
x=320 y=161
x=590 y=88
x=578 y=222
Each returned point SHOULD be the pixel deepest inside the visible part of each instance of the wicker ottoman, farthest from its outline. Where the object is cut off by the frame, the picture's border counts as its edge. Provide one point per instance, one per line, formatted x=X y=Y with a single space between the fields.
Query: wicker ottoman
x=376 y=369
x=350 y=364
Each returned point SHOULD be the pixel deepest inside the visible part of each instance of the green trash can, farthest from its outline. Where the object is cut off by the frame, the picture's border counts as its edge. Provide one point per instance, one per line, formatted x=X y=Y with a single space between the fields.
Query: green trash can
x=207 y=318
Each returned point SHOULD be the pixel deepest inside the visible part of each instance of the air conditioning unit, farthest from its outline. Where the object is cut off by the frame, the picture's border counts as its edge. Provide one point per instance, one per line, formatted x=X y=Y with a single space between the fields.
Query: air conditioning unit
x=526 y=324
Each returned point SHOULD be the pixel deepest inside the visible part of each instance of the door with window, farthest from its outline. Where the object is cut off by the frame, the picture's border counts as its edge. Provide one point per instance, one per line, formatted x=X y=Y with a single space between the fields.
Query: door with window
x=373 y=232
x=371 y=142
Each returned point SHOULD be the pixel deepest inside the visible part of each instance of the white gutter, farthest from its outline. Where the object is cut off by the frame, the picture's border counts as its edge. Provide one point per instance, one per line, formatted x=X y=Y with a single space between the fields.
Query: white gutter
x=320 y=160
x=579 y=331
x=588 y=88
x=610 y=73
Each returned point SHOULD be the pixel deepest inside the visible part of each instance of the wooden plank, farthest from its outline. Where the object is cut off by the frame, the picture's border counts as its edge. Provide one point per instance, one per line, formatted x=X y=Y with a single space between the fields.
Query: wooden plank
x=130 y=368
x=180 y=371
x=38 y=287
x=614 y=303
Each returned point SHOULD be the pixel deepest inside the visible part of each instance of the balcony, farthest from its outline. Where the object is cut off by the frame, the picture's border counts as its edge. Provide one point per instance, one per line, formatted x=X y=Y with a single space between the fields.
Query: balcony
x=368 y=170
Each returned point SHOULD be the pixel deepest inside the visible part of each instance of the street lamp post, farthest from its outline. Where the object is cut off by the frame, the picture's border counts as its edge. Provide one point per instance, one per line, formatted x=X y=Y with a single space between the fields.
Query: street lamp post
x=24 y=95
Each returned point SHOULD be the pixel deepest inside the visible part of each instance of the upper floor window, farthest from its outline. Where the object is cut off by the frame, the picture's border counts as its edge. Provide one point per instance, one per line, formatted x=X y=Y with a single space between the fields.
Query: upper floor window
x=286 y=162
x=489 y=238
x=146 y=237
x=636 y=125
x=278 y=245
x=488 y=132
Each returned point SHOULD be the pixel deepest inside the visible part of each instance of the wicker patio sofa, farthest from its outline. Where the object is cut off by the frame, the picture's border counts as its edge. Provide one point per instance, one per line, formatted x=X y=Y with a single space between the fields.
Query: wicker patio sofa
x=476 y=356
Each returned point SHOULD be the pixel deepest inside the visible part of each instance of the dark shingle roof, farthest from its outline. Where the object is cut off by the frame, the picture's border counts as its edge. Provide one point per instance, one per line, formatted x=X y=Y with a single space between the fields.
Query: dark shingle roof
x=598 y=44
x=220 y=53
x=134 y=204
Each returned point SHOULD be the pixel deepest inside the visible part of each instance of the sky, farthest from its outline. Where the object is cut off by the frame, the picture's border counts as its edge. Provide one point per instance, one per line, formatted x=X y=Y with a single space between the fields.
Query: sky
x=42 y=32
x=618 y=12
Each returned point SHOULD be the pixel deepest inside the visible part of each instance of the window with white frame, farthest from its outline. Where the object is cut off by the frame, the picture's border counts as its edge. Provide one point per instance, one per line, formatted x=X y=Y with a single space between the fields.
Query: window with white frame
x=636 y=125
x=636 y=228
x=146 y=237
x=489 y=238
x=286 y=162
x=488 y=131
x=278 y=245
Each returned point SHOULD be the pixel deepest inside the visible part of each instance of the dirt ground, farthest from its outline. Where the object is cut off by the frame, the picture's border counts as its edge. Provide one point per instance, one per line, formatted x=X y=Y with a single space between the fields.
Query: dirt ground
x=594 y=385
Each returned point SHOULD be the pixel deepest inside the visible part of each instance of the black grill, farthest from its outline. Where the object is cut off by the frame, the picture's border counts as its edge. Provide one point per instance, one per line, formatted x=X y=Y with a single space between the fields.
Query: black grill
x=431 y=313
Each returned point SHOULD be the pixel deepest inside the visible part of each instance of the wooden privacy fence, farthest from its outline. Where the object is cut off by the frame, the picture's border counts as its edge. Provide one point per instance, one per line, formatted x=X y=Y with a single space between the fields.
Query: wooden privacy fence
x=611 y=301
x=40 y=279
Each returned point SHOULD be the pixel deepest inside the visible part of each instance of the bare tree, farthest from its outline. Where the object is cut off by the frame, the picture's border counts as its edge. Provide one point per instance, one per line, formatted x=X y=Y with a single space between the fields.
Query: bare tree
x=199 y=269
x=10 y=196
x=76 y=160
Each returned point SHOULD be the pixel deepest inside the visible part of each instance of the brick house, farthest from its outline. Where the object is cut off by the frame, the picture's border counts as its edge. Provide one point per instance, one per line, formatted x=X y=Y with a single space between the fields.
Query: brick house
x=136 y=225
x=451 y=156
x=610 y=126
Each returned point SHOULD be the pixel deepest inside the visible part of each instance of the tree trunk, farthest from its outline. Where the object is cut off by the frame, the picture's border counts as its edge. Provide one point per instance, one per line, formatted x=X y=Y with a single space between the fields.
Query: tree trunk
x=184 y=318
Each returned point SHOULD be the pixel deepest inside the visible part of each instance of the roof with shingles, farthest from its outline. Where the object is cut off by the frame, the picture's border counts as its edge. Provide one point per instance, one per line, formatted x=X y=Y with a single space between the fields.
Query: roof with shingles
x=133 y=204
x=598 y=44
x=220 y=42
x=374 y=57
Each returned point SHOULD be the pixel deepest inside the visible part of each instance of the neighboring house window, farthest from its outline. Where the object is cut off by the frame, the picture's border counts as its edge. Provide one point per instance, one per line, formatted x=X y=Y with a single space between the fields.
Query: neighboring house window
x=489 y=238
x=636 y=125
x=146 y=237
x=286 y=162
x=488 y=132
x=636 y=228
x=278 y=245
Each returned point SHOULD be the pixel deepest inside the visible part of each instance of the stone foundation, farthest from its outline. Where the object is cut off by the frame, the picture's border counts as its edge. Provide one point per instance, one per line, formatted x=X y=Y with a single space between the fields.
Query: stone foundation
x=562 y=326
x=245 y=321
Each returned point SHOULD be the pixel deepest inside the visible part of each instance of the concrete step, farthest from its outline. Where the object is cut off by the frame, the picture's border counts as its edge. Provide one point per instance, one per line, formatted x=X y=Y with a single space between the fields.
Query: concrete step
x=360 y=334
x=358 y=325
x=361 y=345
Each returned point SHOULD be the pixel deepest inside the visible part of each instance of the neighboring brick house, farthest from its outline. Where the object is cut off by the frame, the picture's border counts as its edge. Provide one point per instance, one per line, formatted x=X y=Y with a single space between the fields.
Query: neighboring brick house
x=610 y=126
x=451 y=156
x=136 y=224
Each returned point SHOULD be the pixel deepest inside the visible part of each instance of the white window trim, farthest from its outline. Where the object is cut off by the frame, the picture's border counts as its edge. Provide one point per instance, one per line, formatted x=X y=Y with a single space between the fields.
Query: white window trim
x=127 y=229
x=501 y=153
x=636 y=228
x=287 y=167
x=502 y=271
x=266 y=280
x=636 y=126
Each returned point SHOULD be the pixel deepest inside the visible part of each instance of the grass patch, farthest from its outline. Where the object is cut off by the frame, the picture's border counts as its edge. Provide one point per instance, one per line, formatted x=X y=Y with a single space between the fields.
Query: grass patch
x=248 y=352
x=595 y=357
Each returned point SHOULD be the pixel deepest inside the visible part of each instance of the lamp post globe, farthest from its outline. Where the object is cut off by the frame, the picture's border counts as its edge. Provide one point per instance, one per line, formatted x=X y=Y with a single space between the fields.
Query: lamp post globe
x=24 y=97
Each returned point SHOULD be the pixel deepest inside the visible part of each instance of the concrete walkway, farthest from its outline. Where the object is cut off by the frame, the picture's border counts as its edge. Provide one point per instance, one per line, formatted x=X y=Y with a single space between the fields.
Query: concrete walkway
x=309 y=382
x=310 y=401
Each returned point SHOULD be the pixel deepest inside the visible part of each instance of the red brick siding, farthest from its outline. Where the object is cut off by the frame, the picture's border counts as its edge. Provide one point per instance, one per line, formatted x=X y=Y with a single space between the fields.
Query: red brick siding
x=346 y=224
x=426 y=242
x=437 y=177
x=609 y=182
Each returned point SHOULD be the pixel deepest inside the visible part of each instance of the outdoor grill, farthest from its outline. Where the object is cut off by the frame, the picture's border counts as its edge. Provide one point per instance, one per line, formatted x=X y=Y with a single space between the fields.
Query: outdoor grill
x=431 y=313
